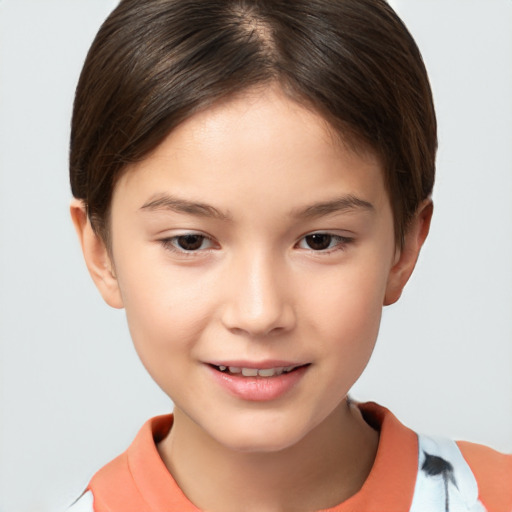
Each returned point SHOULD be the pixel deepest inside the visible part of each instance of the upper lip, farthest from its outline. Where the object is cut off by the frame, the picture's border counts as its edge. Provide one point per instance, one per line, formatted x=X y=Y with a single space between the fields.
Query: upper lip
x=260 y=365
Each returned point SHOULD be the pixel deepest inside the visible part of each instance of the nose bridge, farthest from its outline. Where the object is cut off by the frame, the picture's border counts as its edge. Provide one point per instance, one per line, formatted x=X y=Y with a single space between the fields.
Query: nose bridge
x=258 y=300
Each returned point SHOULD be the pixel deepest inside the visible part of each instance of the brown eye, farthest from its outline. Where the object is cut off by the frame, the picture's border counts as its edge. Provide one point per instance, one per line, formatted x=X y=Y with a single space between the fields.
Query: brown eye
x=190 y=242
x=319 y=241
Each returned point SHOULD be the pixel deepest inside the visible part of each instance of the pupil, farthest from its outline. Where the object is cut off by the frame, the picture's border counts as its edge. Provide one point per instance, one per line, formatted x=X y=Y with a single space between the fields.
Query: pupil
x=190 y=242
x=319 y=241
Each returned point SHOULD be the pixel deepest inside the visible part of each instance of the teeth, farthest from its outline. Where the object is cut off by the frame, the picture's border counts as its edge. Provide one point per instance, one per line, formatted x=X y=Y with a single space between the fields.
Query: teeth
x=270 y=372
x=256 y=372
x=249 y=372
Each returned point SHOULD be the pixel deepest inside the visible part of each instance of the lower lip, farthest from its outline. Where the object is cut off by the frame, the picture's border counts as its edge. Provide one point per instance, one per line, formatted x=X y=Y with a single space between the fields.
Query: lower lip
x=259 y=389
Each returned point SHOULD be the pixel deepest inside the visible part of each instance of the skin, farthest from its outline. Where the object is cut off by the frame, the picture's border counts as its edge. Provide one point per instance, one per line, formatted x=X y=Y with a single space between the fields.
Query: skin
x=256 y=288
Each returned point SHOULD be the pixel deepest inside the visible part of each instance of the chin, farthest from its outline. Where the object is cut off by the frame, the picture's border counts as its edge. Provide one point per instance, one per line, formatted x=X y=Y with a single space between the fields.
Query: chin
x=261 y=436
x=259 y=444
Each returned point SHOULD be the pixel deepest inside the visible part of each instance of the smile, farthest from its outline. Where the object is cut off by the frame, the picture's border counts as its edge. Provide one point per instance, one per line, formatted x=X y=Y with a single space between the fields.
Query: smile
x=255 y=372
x=258 y=382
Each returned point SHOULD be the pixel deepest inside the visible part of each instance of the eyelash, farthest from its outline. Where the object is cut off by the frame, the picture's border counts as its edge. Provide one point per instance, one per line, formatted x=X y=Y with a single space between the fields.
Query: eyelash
x=171 y=243
x=340 y=242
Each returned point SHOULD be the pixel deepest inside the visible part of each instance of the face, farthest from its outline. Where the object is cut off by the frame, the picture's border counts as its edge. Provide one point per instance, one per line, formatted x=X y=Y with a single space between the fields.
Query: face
x=253 y=252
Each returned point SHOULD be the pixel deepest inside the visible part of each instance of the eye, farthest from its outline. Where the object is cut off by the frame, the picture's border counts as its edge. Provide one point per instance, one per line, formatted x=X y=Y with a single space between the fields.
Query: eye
x=188 y=242
x=323 y=242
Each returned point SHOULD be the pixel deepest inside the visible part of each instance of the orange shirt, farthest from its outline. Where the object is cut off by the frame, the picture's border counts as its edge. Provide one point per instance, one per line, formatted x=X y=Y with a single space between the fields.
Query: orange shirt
x=404 y=473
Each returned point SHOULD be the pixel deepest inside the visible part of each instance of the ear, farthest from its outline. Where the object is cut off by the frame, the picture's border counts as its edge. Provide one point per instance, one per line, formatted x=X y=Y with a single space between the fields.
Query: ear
x=97 y=257
x=408 y=256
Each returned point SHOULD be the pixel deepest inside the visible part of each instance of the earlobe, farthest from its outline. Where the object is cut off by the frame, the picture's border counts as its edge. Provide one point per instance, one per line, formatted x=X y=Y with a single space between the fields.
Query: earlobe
x=96 y=255
x=406 y=259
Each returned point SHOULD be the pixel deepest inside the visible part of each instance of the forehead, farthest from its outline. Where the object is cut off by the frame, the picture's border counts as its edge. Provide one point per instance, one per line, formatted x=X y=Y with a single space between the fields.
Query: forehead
x=261 y=141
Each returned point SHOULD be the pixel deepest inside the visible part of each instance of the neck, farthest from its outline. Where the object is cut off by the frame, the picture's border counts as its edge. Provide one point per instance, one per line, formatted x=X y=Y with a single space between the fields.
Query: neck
x=323 y=469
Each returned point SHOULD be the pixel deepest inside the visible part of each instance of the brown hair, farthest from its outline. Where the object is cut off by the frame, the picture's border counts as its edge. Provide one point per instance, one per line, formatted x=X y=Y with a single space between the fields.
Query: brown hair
x=154 y=63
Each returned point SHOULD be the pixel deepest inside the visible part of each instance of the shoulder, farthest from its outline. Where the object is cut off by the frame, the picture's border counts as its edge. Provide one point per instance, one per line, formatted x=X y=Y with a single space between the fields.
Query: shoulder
x=461 y=476
x=469 y=476
x=136 y=478
x=493 y=472
x=113 y=487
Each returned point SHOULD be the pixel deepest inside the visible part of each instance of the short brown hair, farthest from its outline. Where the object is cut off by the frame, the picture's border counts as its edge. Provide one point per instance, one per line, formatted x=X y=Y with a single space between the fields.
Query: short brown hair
x=154 y=63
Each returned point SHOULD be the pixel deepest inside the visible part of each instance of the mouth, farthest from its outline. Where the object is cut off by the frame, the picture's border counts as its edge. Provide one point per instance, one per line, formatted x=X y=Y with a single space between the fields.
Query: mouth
x=239 y=371
x=258 y=382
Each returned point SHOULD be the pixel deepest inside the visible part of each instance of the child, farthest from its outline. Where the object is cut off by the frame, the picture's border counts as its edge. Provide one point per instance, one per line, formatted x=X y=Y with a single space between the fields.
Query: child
x=252 y=183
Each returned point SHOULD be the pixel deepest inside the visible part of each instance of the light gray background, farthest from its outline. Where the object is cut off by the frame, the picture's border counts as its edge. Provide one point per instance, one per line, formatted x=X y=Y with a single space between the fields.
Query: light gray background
x=73 y=393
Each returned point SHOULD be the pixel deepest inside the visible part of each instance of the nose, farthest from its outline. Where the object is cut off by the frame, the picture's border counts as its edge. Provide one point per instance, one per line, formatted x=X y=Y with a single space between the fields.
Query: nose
x=259 y=301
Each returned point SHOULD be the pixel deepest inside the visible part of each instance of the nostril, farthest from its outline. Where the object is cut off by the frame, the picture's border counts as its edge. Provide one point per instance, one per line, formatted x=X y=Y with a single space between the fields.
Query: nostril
x=257 y=331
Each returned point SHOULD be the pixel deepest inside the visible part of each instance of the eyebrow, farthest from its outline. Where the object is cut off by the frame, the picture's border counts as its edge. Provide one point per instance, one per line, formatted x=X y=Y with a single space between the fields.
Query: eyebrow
x=347 y=203
x=163 y=202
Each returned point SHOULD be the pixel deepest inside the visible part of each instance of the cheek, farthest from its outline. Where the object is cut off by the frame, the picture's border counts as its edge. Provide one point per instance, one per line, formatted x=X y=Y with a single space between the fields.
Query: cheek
x=346 y=310
x=349 y=291
x=166 y=309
